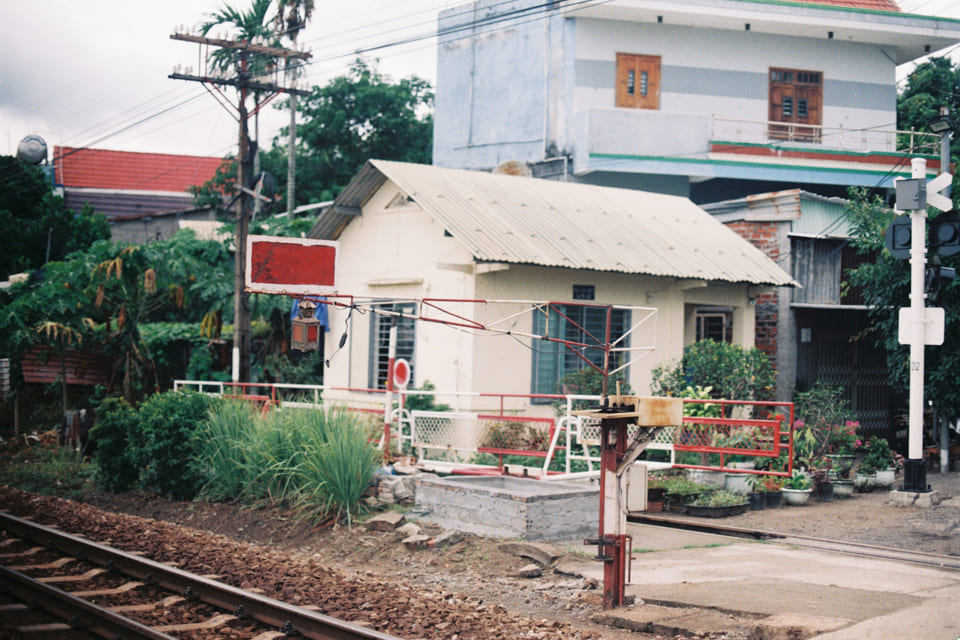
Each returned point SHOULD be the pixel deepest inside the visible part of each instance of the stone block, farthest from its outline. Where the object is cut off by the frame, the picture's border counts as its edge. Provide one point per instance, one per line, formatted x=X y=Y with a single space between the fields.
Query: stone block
x=914 y=498
x=386 y=521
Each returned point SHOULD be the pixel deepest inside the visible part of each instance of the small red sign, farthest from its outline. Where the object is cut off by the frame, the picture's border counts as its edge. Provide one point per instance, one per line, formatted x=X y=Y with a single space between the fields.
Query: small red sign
x=401 y=372
x=291 y=265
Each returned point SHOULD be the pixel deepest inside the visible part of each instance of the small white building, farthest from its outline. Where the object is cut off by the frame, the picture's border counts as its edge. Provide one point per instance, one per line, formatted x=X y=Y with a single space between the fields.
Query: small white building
x=411 y=233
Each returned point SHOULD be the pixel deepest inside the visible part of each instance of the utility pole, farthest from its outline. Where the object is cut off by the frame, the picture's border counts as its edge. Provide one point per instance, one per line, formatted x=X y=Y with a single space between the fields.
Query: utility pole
x=245 y=86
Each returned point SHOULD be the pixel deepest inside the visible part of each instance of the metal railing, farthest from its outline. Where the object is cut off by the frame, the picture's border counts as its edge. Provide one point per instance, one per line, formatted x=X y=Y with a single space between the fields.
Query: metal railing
x=823 y=137
x=474 y=427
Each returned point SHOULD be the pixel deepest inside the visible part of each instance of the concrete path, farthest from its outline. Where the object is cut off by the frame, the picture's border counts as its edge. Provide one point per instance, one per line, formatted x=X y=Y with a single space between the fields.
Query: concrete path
x=693 y=583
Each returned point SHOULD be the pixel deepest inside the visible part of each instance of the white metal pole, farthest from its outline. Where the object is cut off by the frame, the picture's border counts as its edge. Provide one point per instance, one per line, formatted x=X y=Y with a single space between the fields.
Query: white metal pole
x=388 y=397
x=918 y=262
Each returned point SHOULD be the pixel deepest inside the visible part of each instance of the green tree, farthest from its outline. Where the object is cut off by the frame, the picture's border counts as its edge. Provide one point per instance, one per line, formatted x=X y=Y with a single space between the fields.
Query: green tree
x=100 y=298
x=254 y=25
x=729 y=370
x=35 y=224
x=352 y=119
x=885 y=284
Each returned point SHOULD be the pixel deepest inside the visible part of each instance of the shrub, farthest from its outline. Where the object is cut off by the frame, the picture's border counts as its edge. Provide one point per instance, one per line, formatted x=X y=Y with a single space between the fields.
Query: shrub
x=824 y=422
x=116 y=468
x=730 y=370
x=161 y=443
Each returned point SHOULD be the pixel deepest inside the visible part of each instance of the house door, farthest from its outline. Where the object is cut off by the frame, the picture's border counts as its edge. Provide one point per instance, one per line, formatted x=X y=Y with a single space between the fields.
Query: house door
x=796 y=97
x=638 y=81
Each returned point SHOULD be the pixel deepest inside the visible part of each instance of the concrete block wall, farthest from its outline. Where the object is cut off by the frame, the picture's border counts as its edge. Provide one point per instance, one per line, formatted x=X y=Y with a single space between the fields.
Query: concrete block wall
x=557 y=512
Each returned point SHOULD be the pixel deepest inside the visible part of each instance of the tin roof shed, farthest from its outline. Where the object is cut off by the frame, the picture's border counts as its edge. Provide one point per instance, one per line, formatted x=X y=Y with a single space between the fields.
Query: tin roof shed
x=519 y=220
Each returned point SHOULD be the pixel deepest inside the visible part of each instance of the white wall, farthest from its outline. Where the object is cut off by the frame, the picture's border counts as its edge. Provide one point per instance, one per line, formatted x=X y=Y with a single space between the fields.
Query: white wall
x=406 y=247
x=724 y=73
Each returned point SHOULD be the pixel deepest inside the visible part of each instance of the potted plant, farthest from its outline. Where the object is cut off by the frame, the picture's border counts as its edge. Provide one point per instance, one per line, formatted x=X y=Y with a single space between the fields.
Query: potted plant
x=718 y=504
x=883 y=459
x=797 y=489
x=773 y=496
x=680 y=491
x=819 y=472
x=865 y=479
x=757 y=496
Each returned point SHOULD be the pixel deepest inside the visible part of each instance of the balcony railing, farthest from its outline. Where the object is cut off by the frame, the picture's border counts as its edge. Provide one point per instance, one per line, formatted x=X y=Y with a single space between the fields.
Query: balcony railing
x=821 y=137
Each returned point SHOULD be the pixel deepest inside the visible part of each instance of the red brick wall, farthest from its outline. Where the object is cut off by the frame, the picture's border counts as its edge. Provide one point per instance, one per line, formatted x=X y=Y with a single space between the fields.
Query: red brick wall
x=763 y=235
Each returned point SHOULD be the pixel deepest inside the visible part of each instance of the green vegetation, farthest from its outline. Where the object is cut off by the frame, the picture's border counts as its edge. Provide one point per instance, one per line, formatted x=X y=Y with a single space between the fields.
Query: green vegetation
x=35 y=225
x=728 y=370
x=799 y=481
x=48 y=470
x=150 y=449
x=720 y=498
x=317 y=461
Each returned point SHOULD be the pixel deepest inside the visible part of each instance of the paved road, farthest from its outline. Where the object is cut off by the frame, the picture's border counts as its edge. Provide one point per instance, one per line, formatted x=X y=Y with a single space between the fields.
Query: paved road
x=694 y=582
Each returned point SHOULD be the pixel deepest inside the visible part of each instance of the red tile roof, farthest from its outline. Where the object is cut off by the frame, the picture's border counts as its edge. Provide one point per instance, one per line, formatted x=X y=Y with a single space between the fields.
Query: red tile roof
x=872 y=5
x=105 y=169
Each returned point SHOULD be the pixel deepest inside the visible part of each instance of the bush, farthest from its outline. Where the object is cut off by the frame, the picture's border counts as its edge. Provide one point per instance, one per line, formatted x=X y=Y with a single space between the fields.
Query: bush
x=824 y=423
x=733 y=373
x=116 y=468
x=161 y=445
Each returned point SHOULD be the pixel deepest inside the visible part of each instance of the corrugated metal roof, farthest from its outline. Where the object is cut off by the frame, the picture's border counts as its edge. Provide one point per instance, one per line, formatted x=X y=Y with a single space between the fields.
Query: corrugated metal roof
x=501 y=218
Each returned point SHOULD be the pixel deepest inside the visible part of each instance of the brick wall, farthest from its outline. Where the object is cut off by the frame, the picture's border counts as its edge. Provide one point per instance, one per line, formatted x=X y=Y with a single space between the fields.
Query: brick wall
x=763 y=235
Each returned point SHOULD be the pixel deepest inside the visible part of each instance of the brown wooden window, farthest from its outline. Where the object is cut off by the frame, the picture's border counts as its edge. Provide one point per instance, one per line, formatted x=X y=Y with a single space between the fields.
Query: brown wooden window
x=796 y=99
x=638 y=81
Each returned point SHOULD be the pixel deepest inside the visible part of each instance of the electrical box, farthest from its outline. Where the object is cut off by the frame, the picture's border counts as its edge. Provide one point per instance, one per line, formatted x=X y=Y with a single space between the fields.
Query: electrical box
x=634 y=487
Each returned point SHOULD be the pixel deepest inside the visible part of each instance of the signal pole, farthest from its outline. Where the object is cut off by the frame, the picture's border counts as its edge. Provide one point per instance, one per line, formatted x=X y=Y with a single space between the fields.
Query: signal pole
x=244 y=85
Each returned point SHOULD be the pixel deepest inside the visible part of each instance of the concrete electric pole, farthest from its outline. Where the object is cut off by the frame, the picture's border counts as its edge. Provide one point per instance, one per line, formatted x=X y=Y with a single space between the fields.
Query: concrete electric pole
x=245 y=86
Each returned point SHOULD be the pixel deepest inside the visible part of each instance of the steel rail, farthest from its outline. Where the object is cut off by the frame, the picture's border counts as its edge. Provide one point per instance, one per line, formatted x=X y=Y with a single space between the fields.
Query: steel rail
x=267 y=610
x=83 y=615
x=811 y=542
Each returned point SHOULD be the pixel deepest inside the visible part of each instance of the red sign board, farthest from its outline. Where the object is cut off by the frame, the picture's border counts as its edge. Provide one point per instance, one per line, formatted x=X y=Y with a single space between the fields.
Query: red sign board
x=401 y=372
x=291 y=265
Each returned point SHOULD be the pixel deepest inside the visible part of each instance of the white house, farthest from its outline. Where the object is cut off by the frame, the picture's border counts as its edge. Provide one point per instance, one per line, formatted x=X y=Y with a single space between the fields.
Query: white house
x=481 y=246
x=709 y=99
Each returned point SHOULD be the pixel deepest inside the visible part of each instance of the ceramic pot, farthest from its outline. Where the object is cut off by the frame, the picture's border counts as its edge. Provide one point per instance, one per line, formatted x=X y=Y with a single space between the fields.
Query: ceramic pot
x=842 y=488
x=796 y=497
x=865 y=482
x=737 y=483
x=886 y=477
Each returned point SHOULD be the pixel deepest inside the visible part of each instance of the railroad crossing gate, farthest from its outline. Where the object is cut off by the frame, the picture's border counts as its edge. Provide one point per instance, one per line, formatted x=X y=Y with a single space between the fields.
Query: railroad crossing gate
x=291 y=266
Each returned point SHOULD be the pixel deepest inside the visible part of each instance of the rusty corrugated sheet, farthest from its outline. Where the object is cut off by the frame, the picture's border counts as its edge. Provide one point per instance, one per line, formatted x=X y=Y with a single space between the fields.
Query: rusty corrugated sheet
x=42 y=365
x=502 y=218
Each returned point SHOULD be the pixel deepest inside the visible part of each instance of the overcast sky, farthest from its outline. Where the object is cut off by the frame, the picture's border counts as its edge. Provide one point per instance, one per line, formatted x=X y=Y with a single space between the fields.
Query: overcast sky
x=94 y=72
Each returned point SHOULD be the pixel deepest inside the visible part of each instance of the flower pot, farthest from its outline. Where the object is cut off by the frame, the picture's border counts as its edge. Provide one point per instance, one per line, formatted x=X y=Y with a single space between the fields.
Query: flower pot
x=737 y=483
x=841 y=464
x=757 y=501
x=709 y=478
x=865 y=482
x=842 y=488
x=772 y=499
x=886 y=477
x=824 y=492
x=796 y=497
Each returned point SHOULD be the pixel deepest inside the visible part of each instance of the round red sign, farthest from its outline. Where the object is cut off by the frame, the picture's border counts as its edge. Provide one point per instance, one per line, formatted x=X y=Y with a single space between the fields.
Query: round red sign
x=401 y=372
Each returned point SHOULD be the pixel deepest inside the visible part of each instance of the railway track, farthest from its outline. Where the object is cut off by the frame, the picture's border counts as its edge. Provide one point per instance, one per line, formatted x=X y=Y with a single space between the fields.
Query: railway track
x=850 y=548
x=95 y=589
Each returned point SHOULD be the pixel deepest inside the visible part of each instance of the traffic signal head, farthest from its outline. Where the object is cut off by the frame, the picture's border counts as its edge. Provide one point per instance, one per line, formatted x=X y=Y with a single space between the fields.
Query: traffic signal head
x=945 y=234
x=897 y=237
